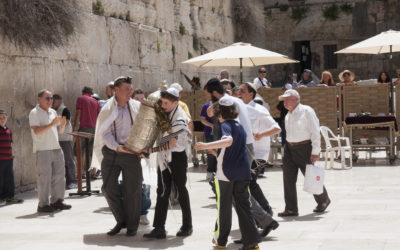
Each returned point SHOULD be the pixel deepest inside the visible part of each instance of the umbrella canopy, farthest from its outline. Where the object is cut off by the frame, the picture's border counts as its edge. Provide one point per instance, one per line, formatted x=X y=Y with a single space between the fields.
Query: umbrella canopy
x=385 y=42
x=240 y=55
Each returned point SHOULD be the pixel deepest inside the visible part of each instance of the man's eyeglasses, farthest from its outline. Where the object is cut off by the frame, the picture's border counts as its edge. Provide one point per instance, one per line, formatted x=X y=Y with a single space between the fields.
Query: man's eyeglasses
x=262 y=72
x=344 y=75
x=49 y=98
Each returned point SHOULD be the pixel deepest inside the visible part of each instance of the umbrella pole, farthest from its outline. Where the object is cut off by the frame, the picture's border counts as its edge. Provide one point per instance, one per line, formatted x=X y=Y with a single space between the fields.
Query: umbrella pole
x=241 y=71
x=391 y=83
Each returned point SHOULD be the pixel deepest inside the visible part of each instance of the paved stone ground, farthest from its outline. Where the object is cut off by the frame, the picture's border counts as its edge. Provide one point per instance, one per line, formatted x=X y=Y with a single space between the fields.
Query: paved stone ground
x=364 y=214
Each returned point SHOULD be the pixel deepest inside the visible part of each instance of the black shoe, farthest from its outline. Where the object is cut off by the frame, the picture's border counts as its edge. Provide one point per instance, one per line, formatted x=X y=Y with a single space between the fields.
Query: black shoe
x=60 y=205
x=184 y=231
x=269 y=210
x=238 y=241
x=13 y=201
x=250 y=247
x=272 y=226
x=156 y=233
x=45 y=209
x=131 y=232
x=116 y=229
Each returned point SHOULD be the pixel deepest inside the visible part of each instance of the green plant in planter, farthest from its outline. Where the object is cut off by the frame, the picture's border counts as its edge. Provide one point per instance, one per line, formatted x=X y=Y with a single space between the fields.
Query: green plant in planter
x=332 y=12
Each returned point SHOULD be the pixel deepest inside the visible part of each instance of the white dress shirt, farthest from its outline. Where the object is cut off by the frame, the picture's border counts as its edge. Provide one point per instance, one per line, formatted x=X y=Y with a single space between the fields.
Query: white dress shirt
x=302 y=124
x=261 y=122
x=113 y=137
x=243 y=117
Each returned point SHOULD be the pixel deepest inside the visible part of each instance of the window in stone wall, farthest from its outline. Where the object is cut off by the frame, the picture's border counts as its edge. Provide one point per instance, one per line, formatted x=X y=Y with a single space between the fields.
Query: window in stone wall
x=330 y=58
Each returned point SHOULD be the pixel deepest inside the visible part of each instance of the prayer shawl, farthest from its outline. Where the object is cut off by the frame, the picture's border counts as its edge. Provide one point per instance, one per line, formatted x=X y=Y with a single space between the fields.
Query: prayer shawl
x=178 y=120
x=106 y=117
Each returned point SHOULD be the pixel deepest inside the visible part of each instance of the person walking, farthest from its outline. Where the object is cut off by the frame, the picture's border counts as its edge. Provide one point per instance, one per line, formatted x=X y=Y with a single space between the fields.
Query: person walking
x=172 y=168
x=303 y=145
x=232 y=177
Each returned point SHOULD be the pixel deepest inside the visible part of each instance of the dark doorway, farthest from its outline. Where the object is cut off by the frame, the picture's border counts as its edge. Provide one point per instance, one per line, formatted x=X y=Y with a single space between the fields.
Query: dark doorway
x=302 y=53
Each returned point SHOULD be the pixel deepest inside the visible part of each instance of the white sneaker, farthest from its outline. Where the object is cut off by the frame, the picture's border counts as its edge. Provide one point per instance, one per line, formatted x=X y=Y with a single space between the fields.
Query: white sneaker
x=3 y=203
x=144 y=220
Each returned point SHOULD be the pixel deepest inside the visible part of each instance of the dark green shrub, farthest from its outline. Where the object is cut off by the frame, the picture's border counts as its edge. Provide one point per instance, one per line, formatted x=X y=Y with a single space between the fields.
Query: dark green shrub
x=182 y=29
x=298 y=13
x=195 y=43
x=332 y=12
x=36 y=24
x=97 y=8
x=173 y=50
x=284 y=7
x=346 y=8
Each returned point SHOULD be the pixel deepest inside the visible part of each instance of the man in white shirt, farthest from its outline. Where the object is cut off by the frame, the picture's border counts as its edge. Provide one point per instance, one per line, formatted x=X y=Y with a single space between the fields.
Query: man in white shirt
x=261 y=80
x=45 y=127
x=303 y=145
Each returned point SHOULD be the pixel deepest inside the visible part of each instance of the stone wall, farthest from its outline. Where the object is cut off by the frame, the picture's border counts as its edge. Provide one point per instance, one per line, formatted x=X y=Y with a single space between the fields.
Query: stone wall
x=366 y=19
x=104 y=48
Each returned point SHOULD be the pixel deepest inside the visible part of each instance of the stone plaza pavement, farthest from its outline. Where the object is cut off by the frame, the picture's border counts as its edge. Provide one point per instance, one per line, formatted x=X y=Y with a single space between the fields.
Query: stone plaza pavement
x=364 y=214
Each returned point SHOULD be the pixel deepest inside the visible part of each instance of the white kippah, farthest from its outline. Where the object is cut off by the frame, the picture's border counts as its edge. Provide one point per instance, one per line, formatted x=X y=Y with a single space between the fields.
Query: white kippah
x=176 y=86
x=225 y=102
x=173 y=91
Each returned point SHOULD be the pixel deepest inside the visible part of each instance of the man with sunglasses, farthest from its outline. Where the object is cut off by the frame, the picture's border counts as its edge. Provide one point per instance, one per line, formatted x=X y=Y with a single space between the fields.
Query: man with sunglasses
x=45 y=127
x=261 y=80
x=112 y=130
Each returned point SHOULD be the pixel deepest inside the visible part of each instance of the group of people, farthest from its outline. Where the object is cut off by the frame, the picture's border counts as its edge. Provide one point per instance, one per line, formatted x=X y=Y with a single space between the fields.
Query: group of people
x=237 y=125
x=346 y=78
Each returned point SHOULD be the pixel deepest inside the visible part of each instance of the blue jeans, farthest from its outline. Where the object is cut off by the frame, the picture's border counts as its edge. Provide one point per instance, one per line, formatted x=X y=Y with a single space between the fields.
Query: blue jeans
x=146 y=201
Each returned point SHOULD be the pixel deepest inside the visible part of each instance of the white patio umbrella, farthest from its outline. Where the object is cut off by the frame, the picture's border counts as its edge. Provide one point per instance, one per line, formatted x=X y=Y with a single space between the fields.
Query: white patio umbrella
x=239 y=55
x=385 y=42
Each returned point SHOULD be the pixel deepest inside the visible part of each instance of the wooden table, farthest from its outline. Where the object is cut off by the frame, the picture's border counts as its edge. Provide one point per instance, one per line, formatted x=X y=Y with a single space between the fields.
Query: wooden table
x=373 y=122
x=86 y=136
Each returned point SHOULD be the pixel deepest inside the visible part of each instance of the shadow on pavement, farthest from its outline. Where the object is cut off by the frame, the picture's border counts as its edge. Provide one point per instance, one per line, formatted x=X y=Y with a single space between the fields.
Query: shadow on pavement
x=37 y=215
x=102 y=210
x=134 y=242
x=212 y=206
x=307 y=217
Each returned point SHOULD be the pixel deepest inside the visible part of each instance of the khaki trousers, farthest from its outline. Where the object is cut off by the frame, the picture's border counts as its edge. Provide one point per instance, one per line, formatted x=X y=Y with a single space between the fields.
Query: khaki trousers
x=50 y=176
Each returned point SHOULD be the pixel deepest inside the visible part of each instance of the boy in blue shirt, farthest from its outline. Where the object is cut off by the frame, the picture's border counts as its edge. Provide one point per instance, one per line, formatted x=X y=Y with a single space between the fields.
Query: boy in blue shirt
x=232 y=178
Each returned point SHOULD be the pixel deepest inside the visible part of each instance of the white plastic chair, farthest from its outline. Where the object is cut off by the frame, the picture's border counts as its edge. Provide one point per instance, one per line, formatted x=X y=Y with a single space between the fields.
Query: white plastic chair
x=329 y=136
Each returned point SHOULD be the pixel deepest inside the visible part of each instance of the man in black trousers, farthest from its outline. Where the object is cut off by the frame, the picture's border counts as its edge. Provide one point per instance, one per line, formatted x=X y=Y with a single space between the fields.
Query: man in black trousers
x=112 y=130
x=303 y=145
